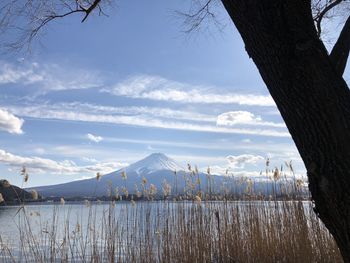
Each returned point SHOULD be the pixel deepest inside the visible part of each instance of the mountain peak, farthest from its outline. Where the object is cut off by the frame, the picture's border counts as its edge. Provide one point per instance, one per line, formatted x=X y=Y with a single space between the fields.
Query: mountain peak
x=157 y=155
x=154 y=162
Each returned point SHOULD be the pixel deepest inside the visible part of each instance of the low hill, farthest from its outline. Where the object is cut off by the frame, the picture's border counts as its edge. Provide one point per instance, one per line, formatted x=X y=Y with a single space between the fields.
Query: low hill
x=12 y=193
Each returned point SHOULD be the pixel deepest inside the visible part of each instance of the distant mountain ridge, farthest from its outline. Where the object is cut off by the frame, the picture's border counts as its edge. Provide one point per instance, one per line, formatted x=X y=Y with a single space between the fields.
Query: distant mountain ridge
x=159 y=170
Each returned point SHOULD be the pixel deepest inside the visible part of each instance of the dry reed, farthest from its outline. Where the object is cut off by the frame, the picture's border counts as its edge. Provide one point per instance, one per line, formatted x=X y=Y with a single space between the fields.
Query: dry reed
x=164 y=231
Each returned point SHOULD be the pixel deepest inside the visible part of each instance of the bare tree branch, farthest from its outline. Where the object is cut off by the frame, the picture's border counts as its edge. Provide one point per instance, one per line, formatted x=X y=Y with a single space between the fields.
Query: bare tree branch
x=340 y=51
x=321 y=9
x=199 y=12
x=23 y=20
x=323 y=12
x=89 y=10
x=79 y=9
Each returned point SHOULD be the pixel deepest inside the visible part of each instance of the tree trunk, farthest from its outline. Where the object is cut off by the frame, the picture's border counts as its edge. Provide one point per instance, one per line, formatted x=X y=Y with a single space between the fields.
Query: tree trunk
x=313 y=99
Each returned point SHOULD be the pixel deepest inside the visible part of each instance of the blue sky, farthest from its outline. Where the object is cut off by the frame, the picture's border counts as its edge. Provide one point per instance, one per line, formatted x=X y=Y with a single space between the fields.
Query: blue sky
x=100 y=95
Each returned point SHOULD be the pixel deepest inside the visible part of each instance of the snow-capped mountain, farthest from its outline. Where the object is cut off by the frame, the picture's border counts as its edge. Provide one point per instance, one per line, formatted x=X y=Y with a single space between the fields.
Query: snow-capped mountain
x=154 y=162
x=158 y=169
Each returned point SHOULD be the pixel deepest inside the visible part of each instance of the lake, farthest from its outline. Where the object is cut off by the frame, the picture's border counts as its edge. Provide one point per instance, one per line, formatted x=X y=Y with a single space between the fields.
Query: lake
x=163 y=231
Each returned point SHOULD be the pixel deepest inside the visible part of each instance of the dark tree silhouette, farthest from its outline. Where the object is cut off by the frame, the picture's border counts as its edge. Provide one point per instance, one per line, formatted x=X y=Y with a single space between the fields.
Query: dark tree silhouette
x=314 y=100
x=283 y=39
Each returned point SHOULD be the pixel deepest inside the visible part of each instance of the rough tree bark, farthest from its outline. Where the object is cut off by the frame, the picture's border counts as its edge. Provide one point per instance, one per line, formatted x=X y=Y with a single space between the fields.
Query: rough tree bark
x=313 y=98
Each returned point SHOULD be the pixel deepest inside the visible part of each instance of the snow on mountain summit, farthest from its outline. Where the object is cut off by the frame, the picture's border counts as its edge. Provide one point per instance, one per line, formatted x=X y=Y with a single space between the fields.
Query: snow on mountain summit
x=154 y=162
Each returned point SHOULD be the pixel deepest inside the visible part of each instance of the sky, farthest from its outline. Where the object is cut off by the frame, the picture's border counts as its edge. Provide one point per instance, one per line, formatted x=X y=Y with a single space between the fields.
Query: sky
x=96 y=96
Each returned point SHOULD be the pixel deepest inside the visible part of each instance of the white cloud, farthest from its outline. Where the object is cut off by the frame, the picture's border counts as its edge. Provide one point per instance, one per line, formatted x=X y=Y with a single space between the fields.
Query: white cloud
x=47 y=76
x=239 y=161
x=277 y=150
x=94 y=138
x=133 y=110
x=233 y=118
x=89 y=160
x=200 y=160
x=39 y=150
x=12 y=74
x=228 y=171
x=234 y=163
x=56 y=77
x=157 y=88
x=138 y=120
x=43 y=165
x=10 y=123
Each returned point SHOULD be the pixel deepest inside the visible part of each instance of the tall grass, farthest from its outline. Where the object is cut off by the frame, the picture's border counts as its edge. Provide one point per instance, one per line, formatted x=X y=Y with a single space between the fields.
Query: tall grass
x=193 y=227
x=166 y=231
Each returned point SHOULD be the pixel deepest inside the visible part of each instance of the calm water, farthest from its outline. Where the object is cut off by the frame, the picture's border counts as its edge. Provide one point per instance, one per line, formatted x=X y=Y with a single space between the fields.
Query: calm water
x=39 y=219
x=41 y=215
